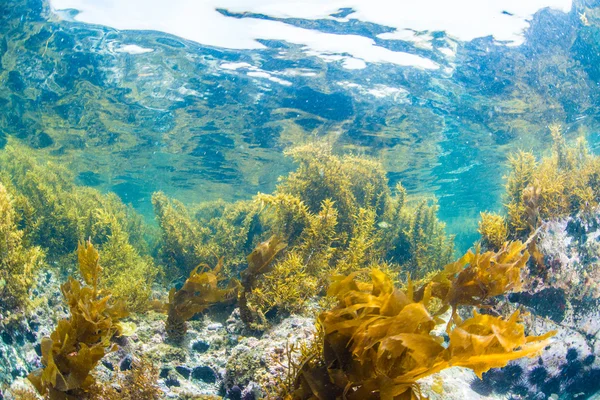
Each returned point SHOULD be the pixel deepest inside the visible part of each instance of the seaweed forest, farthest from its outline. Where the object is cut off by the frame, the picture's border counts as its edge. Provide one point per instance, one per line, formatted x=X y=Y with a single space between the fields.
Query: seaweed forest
x=369 y=270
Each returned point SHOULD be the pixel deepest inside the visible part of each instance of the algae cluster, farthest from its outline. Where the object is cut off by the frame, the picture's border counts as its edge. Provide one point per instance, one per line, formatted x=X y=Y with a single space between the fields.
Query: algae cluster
x=79 y=342
x=564 y=183
x=309 y=242
x=379 y=340
x=336 y=213
x=55 y=214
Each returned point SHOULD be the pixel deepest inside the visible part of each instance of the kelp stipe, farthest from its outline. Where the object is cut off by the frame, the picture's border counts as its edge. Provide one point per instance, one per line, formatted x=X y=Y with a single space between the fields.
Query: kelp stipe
x=79 y=342
x=379 y=340
x=199 y=292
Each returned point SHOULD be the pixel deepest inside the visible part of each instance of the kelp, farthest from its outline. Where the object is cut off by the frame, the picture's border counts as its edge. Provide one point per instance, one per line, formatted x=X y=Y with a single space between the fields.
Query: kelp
x=199 y=292
x=18 y=262
x=259 y=262
x=380 y=340
x=55 y=214
x=336 y=214
x=79 y=342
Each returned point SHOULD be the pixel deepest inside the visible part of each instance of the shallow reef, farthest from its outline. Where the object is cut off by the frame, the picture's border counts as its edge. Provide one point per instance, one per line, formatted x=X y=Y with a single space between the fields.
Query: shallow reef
x=333 y=286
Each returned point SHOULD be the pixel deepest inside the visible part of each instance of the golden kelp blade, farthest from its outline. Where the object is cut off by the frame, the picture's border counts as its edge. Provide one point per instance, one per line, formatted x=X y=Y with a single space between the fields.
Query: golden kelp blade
x=88 y=263
x=260 y=259
x=380 y=340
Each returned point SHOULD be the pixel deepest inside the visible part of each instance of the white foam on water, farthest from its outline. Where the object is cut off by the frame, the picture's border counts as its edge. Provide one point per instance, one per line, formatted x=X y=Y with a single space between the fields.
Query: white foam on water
x=198 y=21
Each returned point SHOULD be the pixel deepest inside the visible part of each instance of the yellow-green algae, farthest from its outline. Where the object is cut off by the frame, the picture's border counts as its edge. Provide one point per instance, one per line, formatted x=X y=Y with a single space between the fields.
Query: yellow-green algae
x=337 y=217
x=336 y=213
x=18 y=262
x=564 y=183
x=55 y=214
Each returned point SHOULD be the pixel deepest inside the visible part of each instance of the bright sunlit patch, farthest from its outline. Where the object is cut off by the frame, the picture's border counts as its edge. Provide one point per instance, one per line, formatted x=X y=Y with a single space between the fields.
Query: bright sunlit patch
x=199 y=21
x=132 y=49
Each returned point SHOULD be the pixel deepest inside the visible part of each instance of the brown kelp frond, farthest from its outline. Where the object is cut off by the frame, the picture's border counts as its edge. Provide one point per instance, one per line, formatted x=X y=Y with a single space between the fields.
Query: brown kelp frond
x=485 y=341
x=78 y=343
x=259 y=262
x=199 y=292
x=18 y=262
x=380 y=340
x=477 y=277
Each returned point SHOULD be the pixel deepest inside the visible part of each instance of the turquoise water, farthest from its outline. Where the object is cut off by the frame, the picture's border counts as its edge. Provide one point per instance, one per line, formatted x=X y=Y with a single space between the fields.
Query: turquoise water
x=200 y=100
x=192 y=121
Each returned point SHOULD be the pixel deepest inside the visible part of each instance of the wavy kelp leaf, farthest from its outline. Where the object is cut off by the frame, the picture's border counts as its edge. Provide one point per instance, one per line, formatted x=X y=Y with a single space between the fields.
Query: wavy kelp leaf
x=380 y=340
x=259 y=263
x=89 y=268
x=485 y=341
x=199 y=292
x=78 y=343
x=476 y=276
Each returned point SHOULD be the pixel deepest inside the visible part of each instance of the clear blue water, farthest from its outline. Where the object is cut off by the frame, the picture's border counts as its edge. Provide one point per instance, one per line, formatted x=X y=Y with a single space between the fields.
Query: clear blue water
x=175 y=119
x=133 y=102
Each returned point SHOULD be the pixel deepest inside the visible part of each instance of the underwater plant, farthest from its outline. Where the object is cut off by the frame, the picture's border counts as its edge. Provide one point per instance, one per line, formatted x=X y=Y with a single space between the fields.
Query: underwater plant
x=336 y=214
x=379 y=340
x=199 y=292
x=493 y=230
x=80 y=341
x=18 y=262
x=56 y=214
x=137 y=383
x=213 y=230
x=259 y=263
x=562 y=184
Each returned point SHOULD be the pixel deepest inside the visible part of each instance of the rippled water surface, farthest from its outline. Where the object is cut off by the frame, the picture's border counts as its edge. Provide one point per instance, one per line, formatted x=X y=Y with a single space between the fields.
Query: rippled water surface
x=199 y=99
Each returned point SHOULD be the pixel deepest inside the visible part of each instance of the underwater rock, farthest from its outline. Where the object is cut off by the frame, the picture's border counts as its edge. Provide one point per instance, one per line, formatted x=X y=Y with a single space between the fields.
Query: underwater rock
x=200 y=346
x=205 y=374
x=183 y=371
